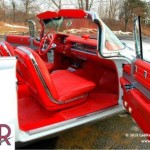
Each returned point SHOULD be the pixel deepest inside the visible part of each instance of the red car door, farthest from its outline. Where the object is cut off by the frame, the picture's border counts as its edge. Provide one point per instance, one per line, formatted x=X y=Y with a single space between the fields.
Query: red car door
x=135 y=83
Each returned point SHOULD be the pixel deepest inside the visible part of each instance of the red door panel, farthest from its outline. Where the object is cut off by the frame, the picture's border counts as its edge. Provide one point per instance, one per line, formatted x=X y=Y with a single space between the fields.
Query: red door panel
x=127 y=69
x=18 y=39
x=142 y=73
x=135 y=102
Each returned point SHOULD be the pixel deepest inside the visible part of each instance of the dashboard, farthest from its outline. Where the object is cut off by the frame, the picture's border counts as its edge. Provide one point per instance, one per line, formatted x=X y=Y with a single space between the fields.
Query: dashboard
x=84 y=48
x=72 y=44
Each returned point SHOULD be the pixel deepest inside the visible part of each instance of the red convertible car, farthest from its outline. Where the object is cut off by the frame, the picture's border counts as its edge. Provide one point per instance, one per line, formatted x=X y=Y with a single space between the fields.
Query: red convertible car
x=76 y=71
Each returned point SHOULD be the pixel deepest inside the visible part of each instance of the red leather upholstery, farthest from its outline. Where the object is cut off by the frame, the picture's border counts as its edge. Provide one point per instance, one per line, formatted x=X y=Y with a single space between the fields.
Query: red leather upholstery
x=49 y=66
x=139 y=104
x=69 y=85
x=62 y=85
x=6 y=49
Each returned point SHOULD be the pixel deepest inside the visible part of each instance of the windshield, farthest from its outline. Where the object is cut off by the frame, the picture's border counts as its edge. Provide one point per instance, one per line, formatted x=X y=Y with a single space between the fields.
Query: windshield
x=74 y=26
x=112 y=43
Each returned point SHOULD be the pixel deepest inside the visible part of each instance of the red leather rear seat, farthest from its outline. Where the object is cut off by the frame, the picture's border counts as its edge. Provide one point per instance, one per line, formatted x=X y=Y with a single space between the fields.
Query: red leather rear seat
x=6 y=49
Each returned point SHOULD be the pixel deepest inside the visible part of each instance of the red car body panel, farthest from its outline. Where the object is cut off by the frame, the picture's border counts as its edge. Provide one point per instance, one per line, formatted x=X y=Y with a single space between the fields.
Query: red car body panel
x=18 y=39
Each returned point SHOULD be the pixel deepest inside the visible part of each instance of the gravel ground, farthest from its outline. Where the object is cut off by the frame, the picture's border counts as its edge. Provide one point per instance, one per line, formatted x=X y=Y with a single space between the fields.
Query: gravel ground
x=114 y=133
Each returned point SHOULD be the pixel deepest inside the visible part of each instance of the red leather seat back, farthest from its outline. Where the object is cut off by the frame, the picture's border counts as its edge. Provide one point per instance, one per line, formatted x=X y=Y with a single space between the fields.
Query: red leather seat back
x=6 y=49
x=32 y=76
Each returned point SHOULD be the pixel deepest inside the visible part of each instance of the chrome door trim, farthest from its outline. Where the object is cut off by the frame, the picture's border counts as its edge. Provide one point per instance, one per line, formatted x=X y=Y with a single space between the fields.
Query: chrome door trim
x=137 y=85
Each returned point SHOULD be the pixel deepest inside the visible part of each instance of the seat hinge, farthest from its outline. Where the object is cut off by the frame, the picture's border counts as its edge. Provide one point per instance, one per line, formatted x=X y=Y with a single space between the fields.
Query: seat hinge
x=129 y=86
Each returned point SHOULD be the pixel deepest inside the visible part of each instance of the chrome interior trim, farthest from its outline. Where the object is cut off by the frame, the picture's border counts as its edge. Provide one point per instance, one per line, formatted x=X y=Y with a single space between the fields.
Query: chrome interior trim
x=133 y=66
x=137 y=85
x=79 y=97
x=145 y=74
x=130 y=78
x=142 y=89
x=73 y=49
x=5 y=47
x=43 y=81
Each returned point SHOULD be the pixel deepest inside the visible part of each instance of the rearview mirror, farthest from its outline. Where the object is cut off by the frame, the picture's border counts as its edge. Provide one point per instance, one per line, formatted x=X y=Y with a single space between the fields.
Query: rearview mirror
x=69 y=23
x=138 y=38
x=32 y=28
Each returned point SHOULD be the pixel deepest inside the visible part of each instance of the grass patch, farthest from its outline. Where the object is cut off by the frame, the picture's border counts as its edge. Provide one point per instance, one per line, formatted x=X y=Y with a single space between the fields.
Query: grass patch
x=7 y=30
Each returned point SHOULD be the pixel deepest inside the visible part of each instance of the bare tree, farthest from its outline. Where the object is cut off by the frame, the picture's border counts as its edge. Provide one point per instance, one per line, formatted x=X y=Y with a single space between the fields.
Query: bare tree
x=79 y=4
x=85 y=4
x=114 y=6
x=130 y=8
x=13 y=3
x=55 y=4
x=28 y=6
x=3 y=6
x=58 y=4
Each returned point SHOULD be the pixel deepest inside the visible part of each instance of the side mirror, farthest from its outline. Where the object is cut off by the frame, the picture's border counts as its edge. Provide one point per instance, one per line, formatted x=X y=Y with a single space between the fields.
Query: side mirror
x=138 y=37
x=32 y=28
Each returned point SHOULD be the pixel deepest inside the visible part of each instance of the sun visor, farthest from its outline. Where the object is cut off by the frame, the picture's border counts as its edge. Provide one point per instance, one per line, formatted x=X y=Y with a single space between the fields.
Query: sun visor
x=72 y=13
x=48 y=15
x=69 y=13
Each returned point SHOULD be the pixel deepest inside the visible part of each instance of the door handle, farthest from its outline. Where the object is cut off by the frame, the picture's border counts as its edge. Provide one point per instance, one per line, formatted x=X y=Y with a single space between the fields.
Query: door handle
x=145 y=74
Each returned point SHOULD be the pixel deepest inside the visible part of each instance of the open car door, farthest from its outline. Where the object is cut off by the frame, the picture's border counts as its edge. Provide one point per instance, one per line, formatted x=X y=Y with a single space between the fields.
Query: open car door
x=135 y=78
x=136 y=83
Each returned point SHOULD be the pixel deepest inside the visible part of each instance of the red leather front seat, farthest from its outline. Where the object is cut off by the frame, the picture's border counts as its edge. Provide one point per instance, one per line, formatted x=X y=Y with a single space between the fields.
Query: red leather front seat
x=6 y=49
x=55 y=91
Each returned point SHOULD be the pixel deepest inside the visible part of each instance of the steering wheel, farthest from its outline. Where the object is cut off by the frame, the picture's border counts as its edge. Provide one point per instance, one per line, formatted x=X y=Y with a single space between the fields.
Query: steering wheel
x=46 y=42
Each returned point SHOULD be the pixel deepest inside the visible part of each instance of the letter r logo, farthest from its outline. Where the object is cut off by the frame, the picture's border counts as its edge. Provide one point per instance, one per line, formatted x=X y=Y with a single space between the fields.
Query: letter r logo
x=4 y=136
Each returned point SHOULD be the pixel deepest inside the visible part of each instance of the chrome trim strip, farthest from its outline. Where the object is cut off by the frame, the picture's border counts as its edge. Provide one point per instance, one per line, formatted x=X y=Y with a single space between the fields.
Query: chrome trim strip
x=142 y=89
x=94 y=54
x=35 y=64
x=137 y=85
x=79 y=97
x=129 y=77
